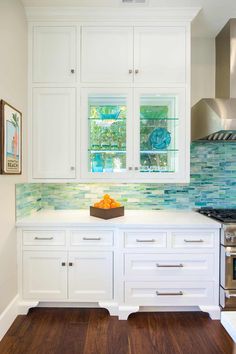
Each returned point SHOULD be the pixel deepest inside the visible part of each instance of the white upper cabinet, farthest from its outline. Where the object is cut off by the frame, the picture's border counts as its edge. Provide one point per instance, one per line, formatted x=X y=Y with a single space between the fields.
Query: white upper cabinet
x=54 y=133
x=160 y=55
x=140 y=54
x=54 y=54
x=107 y=54
x=131 y=80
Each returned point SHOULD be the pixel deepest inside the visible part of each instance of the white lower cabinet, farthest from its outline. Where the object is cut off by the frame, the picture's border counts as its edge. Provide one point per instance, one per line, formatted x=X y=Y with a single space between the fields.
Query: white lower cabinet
x=48 y=275
x=78 y=271
x=121 y=269
x=169 y=266
x=44 y=275
x=169 y=293
x=90 y=276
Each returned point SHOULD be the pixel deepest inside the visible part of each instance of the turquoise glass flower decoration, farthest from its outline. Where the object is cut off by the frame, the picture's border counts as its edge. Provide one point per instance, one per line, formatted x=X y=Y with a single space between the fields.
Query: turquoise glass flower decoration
x=159 y=139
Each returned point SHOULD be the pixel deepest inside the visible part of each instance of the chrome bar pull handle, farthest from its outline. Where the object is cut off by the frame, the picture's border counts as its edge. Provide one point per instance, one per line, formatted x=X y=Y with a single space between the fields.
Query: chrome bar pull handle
x=230 y=254
x=169 y=265
x=194 y=241
x=43 y=238
x=151 y=240
x=170 y=294
x=91 y=238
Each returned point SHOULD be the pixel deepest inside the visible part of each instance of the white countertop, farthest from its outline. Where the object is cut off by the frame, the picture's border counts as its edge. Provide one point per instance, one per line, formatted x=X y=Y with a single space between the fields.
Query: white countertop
x=132 y=218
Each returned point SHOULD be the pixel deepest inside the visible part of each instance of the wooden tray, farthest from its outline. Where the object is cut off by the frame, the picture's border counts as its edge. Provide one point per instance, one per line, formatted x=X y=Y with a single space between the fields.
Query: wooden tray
x=107 y=213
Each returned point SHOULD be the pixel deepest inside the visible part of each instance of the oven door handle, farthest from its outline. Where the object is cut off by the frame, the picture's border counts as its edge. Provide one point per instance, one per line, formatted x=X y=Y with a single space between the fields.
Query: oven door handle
x=228 y=295
x=229 y=254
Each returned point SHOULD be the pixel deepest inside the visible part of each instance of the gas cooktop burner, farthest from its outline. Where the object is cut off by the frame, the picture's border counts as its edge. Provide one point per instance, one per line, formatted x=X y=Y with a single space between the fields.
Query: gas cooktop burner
x=224 y=215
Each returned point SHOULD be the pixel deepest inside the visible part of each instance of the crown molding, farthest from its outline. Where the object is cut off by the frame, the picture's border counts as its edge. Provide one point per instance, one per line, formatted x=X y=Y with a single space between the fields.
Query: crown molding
x=111 y=14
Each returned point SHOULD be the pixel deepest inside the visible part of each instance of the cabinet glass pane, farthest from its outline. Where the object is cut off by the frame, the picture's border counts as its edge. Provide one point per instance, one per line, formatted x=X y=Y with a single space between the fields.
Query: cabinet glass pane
x=158 y=133
x=107 y=133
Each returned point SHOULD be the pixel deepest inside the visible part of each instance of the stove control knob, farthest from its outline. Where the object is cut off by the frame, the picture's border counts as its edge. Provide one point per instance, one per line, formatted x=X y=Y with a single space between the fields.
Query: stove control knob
x=229 y=236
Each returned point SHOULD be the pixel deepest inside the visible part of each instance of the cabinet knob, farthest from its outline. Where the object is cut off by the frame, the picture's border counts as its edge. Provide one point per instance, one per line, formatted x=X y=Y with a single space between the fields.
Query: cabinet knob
x=72 y=71
x=72 y=168
x=130 y=168
x=70 y=264
x=136 y=168
x=130 y=71
x=136 y=71
x=63 y=264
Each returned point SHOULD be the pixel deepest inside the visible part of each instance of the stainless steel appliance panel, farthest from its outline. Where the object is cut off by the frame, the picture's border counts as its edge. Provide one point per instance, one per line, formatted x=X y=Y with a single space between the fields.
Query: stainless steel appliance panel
x=228 y=267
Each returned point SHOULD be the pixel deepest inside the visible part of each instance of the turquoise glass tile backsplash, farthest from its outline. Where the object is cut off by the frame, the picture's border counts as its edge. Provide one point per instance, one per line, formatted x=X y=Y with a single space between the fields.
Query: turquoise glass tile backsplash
x=28 y=199
x=212 y=184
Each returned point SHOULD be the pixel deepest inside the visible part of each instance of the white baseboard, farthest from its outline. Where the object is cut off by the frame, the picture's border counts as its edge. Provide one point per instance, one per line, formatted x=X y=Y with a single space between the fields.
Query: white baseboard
x=8 y=316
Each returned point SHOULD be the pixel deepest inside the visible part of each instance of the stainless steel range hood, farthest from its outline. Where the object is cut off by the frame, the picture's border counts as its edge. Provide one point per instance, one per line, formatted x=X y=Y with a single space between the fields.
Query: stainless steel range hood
x=214 y=119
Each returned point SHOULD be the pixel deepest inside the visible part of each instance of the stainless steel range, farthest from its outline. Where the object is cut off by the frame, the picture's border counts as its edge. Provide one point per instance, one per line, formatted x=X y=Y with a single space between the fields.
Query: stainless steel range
x=227 y=254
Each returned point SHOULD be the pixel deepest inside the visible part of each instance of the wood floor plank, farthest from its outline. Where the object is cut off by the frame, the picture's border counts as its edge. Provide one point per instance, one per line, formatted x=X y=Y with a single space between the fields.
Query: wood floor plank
x=97 y=333
x=94 y=331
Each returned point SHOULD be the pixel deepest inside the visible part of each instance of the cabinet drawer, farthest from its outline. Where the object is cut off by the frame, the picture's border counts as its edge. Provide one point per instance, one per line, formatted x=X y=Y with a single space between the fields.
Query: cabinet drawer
x=145 y=239
x=176 y=266
x=90 y=238
x=192 y=239
x=169 y=294
x=44 y=238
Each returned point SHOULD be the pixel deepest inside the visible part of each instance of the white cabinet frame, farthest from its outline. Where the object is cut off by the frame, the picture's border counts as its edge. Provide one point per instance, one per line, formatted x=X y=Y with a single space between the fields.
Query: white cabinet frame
x=87 y=20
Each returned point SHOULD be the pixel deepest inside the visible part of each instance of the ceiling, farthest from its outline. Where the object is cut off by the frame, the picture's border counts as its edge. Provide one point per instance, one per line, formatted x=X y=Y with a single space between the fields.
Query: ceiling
x=214 y=13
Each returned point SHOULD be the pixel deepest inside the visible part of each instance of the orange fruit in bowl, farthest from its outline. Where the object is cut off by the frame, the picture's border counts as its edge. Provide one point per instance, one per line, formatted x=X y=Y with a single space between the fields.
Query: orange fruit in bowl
x=107 y=203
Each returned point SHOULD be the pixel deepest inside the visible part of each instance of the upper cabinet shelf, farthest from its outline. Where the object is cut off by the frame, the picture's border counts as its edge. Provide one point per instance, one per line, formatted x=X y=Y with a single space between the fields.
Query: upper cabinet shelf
x=134 y=55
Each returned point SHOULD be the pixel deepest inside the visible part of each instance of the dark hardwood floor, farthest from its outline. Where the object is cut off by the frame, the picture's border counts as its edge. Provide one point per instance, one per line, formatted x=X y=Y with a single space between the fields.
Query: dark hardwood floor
x=93 y=331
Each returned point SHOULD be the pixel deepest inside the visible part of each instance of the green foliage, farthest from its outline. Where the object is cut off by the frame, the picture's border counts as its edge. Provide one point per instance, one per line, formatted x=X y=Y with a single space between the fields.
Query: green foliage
x=15 y=120
x=154 y=111
x=107 y=136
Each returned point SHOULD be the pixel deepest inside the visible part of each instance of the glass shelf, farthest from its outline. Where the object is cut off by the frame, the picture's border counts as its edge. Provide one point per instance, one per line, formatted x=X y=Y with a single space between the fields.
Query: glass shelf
x=156 y=170
x=110 y=119
x=107 y=151
x=157 y=118
x=161 y=151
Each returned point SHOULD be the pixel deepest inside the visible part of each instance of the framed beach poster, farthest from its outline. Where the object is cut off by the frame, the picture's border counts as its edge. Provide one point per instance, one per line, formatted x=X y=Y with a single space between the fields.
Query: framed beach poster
x=10 y=139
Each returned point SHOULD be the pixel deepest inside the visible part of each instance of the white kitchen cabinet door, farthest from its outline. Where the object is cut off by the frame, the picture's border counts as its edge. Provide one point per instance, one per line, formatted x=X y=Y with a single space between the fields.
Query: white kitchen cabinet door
x=44 y=275
x=106 y=133
x=53 y=133
x=161 y=137
x=160 y=55
x=54 y=54
x=107 y=54
x=90 y=276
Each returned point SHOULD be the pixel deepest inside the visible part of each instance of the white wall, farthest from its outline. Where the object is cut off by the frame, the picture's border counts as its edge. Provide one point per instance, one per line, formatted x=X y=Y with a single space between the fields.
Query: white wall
x=13 y=89
x=203 y=68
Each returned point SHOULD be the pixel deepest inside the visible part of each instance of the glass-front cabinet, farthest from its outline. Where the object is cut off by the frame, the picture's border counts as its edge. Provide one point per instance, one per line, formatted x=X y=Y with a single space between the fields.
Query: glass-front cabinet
x=160 y=136
x=134 y=134
x=105 y=133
